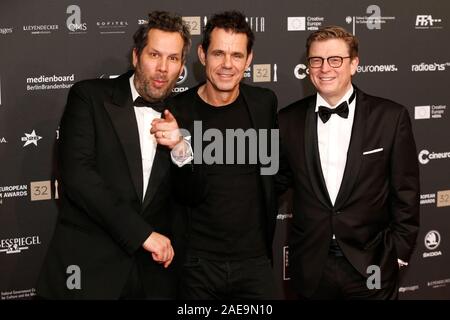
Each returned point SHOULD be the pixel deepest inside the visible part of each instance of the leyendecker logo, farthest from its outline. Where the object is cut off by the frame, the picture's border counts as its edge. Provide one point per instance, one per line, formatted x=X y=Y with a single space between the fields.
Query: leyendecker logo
x=17 y=245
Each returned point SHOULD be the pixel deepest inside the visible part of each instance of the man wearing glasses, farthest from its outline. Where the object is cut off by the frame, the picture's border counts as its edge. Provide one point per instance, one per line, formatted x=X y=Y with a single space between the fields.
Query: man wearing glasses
x=351 y=159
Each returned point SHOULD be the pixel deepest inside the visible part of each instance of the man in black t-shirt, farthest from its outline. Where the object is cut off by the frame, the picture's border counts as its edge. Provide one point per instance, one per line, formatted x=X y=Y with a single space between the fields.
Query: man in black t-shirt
x=229 y=188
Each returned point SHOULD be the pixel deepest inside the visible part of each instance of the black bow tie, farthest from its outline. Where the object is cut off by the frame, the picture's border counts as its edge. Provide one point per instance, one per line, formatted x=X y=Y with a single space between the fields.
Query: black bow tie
x=157 y=106
x=341 y=110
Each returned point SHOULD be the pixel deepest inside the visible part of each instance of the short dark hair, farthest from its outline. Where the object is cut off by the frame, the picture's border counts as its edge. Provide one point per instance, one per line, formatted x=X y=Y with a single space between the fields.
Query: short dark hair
x=334 y=32
x=230 y=21
x=162 y=20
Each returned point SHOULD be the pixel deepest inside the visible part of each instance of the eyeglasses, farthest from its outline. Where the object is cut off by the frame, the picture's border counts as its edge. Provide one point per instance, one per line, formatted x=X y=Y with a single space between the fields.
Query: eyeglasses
x=334 y=61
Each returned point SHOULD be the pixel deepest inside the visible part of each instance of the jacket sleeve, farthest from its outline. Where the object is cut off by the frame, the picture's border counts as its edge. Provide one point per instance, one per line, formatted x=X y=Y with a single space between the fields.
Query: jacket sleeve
x=404 y=193
x=82 y=182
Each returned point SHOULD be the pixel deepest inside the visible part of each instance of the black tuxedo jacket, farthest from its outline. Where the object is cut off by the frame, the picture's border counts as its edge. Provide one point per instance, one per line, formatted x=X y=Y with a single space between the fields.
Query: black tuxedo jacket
x=103 y=221
x=376 y=214
x=191 y=180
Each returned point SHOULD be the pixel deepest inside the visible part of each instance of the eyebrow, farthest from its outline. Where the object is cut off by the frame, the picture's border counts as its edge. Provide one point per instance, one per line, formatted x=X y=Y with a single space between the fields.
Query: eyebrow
x=169 y=54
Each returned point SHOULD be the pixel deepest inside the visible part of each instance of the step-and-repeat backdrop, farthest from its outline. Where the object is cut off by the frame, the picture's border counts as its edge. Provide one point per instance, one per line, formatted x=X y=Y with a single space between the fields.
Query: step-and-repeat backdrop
x=46 y=46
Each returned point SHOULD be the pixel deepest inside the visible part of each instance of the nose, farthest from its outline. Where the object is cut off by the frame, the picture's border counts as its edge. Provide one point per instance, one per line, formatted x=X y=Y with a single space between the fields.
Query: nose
x=162 y=65
x=227 y=61
x=325 y=66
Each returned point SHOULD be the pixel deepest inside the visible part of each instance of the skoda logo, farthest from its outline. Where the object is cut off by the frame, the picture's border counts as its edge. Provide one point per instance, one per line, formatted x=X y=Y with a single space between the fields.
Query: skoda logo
x=182 y=76
x=432 y=240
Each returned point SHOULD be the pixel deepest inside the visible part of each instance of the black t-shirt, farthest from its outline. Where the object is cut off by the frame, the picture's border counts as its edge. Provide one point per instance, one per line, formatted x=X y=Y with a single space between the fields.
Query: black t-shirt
x=229 y=223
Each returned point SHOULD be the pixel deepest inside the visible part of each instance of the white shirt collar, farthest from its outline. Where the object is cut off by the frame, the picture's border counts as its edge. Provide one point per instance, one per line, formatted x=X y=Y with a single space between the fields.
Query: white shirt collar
x=320 y=101
x=134 y=93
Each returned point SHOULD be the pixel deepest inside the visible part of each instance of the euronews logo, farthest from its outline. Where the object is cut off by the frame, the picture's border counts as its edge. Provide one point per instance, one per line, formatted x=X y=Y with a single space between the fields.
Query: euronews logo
x=425 y=156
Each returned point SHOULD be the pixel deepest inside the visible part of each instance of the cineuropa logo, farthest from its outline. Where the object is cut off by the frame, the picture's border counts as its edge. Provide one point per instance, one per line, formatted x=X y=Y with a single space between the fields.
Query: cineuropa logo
x=425 y=156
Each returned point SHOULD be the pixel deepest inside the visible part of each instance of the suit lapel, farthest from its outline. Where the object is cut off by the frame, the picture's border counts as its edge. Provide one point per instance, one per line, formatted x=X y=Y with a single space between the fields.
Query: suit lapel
x=123 y=118
x=161 y=164
x=312 y=155
x=354 y=154
x=258 y=122
x=253 y=104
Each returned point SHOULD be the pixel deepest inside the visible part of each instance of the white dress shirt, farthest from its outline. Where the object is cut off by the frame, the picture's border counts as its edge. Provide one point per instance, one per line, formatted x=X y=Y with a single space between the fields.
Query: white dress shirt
x=334 y=140
x=148 y=144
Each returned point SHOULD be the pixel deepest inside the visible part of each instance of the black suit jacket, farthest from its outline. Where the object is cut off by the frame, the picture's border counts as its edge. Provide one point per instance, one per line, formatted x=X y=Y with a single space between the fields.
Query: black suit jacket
x=376 y=214
x=262 y=106
x=103 y=222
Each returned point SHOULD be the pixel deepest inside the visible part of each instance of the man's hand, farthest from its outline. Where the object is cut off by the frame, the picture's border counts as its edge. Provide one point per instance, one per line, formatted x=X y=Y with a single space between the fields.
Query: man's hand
x=166 y=130
x=160 y=247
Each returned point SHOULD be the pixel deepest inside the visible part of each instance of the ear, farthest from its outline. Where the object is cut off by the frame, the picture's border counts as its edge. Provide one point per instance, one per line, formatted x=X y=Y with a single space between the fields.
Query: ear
x=354 y=65
x=249 y=59
x=201 y=54
x=135 y=57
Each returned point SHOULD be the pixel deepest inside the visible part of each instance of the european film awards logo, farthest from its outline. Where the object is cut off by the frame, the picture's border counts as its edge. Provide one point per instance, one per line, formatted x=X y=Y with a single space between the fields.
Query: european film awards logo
x=443 y=198
x=194 y=25
x=263 y=73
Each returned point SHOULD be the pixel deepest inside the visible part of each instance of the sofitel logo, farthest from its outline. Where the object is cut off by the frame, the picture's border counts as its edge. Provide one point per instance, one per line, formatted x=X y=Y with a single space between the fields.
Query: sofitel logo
x=112 y=27
x=73 y=22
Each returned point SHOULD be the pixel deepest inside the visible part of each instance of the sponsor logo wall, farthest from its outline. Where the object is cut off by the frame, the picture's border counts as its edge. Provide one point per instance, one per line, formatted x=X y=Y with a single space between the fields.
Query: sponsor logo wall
x=404 y=57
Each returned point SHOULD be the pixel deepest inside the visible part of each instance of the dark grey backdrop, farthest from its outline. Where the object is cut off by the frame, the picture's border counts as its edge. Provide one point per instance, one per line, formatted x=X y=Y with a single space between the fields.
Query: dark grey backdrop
x=46 y=46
